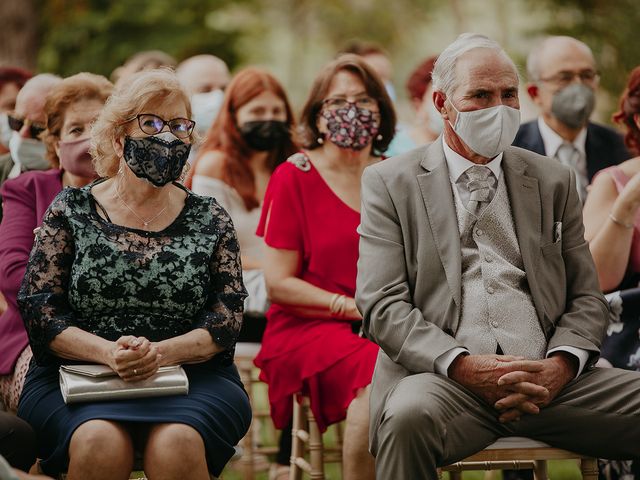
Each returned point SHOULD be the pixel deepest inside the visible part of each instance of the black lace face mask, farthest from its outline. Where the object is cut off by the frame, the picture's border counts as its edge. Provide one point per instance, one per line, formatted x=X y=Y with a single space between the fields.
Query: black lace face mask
x=157 y=158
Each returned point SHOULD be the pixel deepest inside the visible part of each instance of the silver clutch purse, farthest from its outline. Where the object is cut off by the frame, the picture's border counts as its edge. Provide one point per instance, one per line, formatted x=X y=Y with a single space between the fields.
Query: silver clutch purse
x=87 y=383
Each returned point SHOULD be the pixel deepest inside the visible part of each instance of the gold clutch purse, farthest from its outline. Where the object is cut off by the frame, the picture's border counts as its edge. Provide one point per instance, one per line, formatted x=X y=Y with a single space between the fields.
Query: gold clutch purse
x=96 y=383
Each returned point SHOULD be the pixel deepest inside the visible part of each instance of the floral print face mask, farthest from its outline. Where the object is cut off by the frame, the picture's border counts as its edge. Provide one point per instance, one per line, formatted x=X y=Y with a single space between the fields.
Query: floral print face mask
x=351 y=127
x=157 y=158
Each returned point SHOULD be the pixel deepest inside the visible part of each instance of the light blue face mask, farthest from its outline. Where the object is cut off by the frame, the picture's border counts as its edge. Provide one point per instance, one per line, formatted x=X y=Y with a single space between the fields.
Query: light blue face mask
x=391 y=90
x=435 y=122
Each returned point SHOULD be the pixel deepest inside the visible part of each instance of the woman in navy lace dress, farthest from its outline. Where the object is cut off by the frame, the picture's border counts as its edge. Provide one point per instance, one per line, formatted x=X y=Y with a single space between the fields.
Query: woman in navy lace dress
x=134 y=271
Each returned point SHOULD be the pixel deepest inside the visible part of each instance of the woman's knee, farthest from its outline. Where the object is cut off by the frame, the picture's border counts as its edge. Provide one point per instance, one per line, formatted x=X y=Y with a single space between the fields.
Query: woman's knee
x=358 y=411
x=173 y=439
x=109 y=439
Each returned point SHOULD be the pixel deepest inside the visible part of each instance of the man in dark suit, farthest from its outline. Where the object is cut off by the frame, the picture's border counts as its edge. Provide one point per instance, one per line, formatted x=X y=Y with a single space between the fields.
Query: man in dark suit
x=563 y=78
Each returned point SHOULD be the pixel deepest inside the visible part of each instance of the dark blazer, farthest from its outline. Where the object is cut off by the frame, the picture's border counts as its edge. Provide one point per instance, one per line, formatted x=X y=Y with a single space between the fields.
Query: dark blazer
x=409 y=269
x=604 y=146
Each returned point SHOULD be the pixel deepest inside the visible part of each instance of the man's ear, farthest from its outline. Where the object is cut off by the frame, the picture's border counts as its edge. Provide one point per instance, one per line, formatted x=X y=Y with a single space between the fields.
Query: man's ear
x=438 y=101
x=532 y=90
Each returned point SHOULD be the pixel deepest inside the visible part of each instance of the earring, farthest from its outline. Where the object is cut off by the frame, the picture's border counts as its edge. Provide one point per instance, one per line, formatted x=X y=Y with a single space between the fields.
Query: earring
x=320 y=140
x=185 y=170
x=379 y=137
x=120 y=170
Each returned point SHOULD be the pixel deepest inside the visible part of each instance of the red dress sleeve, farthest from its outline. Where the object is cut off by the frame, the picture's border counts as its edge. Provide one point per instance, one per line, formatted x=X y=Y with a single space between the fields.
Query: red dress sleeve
x=281 y=223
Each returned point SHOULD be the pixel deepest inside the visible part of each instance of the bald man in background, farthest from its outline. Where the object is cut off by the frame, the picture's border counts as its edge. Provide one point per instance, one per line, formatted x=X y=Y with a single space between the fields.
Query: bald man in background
x=26 y=150
x=204 y=77
x=563 y=78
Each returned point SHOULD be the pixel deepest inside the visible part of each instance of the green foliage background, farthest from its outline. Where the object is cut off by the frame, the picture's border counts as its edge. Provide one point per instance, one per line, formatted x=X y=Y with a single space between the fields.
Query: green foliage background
x=294 y=38
x=99 y=35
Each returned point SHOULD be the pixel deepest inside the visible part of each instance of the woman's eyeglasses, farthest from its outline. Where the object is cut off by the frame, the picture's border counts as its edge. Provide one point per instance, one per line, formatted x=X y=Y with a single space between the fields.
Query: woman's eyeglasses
x=153 y=124
x=337 y=103
x=16 y=123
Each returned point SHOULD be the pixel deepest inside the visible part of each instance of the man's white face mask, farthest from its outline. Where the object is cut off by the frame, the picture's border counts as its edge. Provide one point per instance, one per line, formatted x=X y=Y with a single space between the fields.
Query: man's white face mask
x=488 y=131
x=5 y=130
x=205 y=107
x=27 y=154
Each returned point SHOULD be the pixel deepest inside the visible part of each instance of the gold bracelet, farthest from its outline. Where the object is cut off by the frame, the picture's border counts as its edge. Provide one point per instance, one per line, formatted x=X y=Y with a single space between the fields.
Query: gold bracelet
x=342 y=306
x=628 y=226
x=332 y=303
x=338 y=305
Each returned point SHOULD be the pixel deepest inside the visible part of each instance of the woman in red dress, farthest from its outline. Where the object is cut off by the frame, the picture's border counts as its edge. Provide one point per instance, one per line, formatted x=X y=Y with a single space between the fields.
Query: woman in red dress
x=309 y=219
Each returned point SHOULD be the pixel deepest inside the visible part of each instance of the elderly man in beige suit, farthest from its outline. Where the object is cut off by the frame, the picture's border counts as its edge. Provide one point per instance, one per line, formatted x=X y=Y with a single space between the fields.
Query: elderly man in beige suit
x=476 y=281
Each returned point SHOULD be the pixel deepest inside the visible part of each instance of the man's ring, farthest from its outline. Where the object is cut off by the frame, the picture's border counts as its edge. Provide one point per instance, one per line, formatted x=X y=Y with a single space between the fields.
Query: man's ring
x=135 y=371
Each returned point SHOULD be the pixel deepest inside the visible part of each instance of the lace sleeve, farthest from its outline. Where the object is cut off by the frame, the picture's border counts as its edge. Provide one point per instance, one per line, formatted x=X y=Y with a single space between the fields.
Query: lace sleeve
x=222 y=315
x=42 y=297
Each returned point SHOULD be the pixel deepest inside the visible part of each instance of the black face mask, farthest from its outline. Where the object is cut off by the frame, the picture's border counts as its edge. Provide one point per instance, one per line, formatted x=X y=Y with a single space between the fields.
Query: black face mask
x=264 y=135
x=157 y=158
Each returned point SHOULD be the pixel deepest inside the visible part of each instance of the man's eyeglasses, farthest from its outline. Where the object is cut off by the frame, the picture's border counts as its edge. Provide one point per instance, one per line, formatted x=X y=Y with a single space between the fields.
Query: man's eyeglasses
x=153 y=124
x=336 y=103
x=16 y=123
x=566 y=77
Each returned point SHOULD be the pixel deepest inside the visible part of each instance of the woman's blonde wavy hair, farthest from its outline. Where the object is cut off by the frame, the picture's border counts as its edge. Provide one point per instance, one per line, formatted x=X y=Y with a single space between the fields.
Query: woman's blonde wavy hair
x=128 y=100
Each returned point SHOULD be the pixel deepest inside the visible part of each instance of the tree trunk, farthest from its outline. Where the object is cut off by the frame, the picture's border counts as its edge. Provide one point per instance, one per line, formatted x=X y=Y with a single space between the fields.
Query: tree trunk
x=19 y=33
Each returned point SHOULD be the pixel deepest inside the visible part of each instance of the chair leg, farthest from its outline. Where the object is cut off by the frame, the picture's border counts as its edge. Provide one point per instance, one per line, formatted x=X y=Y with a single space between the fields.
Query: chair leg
x=248 y=470
x=297 y=445
x=540 y=470
x=453 y=475
x=316 y=452
x=589 y=468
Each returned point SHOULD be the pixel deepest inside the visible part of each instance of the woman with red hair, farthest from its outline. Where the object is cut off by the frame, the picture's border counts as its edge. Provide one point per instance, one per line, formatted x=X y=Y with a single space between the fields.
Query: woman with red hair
x=612 y=209
x=251 y=136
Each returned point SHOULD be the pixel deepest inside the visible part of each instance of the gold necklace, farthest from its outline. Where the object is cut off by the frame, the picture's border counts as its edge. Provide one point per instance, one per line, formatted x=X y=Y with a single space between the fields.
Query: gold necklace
x=142 y=220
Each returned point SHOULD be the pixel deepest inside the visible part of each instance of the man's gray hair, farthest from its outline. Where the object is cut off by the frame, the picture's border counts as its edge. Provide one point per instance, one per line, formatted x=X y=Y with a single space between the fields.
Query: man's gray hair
x=444 y=71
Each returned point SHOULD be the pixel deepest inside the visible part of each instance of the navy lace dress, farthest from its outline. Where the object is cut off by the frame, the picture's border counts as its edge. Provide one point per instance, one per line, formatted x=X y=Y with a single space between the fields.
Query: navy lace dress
x=111 y=281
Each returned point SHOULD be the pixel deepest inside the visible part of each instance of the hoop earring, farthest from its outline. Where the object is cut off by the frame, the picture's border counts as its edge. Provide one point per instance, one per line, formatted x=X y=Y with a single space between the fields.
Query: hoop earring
x=185 y=171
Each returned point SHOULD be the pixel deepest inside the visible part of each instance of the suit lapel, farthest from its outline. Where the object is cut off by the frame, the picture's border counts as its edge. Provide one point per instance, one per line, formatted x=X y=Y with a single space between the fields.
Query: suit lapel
x=438 y=200
x=524 y=197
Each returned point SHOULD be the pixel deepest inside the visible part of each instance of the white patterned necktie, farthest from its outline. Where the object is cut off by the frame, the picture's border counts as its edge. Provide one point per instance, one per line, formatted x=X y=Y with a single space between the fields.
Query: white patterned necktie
x=481 y=185
x=569 y=155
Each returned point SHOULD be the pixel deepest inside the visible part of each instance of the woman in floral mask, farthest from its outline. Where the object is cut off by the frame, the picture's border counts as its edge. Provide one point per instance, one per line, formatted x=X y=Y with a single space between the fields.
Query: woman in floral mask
x=309 y=219
x=135 y=272
x=70 y=109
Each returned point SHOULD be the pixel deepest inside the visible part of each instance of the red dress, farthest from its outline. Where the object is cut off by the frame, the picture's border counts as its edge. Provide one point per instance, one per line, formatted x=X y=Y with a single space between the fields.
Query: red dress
x=320 y=357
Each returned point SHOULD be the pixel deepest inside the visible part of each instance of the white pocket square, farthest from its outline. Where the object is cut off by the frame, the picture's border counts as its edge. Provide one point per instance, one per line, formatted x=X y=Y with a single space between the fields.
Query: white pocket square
x=557 y=232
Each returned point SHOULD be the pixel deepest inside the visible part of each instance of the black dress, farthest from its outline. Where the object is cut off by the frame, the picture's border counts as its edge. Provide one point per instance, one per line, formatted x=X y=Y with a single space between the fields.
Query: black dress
x=111 y=281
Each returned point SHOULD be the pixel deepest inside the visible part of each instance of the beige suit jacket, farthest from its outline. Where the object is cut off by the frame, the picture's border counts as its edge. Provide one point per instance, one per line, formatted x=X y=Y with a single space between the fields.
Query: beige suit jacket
x=409 y=272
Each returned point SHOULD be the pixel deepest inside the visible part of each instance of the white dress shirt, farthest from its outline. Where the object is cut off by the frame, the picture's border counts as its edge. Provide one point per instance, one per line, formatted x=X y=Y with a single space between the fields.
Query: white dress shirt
x=552 y=142
x=457 y=165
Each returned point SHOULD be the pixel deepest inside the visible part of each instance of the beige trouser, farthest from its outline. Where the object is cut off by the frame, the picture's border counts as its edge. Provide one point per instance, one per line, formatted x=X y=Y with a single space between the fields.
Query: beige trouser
x=430 y=421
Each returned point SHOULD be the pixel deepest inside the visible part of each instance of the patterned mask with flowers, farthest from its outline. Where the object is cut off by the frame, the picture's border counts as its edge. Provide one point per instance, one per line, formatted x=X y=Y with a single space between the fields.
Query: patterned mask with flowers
x=351 y=127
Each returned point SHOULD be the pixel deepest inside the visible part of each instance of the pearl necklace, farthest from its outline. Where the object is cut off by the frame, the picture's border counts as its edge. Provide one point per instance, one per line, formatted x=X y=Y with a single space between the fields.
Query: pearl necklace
x=144 y=222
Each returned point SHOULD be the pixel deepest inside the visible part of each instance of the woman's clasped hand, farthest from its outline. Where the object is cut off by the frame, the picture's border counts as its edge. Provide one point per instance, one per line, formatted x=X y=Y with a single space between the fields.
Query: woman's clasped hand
x=134 y=358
